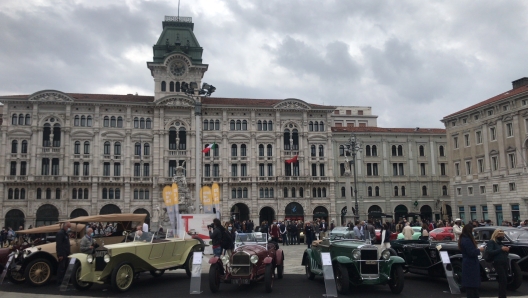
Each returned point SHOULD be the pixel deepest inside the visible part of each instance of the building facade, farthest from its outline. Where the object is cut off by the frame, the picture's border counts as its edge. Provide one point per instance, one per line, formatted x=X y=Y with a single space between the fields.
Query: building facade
x=487 y=150
x=401 y=172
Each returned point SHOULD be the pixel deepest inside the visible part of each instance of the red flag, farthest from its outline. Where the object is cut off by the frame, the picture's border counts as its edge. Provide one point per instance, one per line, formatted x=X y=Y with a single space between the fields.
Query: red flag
x=294 y=159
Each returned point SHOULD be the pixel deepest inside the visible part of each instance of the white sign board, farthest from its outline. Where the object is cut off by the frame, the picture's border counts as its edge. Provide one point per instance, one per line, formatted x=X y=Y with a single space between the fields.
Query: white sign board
x=197 y=258
x=326 y=259
x=199 y=223
x=445 y=257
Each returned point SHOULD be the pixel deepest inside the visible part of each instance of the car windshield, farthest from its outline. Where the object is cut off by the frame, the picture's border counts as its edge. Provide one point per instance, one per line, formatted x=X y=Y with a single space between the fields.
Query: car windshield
x=517 y=235
x=340 y=229
x=251 y=238
x=416 y=229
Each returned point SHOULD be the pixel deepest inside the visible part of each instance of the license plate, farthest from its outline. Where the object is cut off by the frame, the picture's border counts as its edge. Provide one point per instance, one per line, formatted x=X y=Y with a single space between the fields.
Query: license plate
x=371 y=262
x=244 y=281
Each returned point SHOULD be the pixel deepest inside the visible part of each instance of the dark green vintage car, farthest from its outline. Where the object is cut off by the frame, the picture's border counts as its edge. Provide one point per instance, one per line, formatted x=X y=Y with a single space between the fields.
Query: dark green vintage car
x=356 y=262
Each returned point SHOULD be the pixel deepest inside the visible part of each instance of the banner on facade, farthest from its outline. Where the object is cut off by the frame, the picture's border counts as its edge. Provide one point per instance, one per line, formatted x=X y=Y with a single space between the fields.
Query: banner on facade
x=176 y=207
x=207 y=200
x=216 y=198
x=167 y=199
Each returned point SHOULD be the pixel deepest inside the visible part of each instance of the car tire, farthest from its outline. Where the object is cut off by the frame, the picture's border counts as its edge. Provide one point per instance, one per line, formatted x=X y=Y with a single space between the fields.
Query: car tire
x=517 y=277
x=308 y=268
x=188 y=264
x=397 y=279
x=393 y=253
x=16 y=277
x=38 y=272
x=457 y=272
x=268 y=278
x=157 y=273
x=78 y=284
x=123 y=277
x=214 y=278
x=341 y=278
x=280 y=271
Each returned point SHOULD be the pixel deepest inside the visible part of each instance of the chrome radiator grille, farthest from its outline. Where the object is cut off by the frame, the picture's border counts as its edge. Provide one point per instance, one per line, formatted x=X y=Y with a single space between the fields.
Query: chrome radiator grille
x=369 y=261
x=240 y=259
x=240 y=270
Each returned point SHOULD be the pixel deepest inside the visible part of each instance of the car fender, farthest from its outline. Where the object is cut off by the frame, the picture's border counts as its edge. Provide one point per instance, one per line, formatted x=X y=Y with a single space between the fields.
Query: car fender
x=307 y=256
x=213 y=260
x=514 y=257
x=396 y=260
x=268 y=260
x=41 y=255
x=344 y=260
x=86 y=268
x=131 y=258
x=279 y=257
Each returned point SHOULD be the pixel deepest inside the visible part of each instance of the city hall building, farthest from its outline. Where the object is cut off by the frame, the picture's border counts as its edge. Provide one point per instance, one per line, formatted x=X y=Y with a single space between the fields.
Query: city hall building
x=72 y=154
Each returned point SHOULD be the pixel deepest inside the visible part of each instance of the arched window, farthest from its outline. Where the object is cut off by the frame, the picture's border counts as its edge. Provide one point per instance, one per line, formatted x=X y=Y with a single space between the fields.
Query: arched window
x=205 y=125
x=271 y=195
x=105 y=194
x=270 y=125
x=86 y=193
x=243 y=150
x=24 y=148
x=57 y=194
x=312 y=150
x=321 y=150
x=80 y=194
x=295 y=137
x=259 y=125
x=422 y=150
x=314 y=192
x=400 y=150
x=369 y=191
x=287 y=139
x=265 y=125
x=14 y=146
x=217 y=125
x=28 y=119
x=137 y=149
x=17 y=192
x=321 y=126
x=10 y=194
x=148 y=123
x=266 y=193
x=178 y=87
x=261 y=150
x=76 y=120
x=74 y=194
x=146 y=149
x=319 y=192
x=46 y=142
x=245 y=193
x=171 y=86
x=293 y=194
x=77 y=147
x=117 y=148
x=141 y=194
x=89 y=121
x=403 y=191
x=142 y=123
x=182 y=135
x=211 y=125
x=106 y=148
x=441 y=149
x=22 y=193
x=310 y=126
x=14 y=119
x=86 y=147
x=444 y=190
x=48 y=193
x=234 y=150
x=285 y=192
x=343 y=192
x=232 y=125
x=106 y=121
x=301 y=192
x=136 y=122
x=374 y=150
x=367 y=150
x=261 y=192
x=395 y=191
x=110 y=193
x=233 y=193
x=324 y=192
x=21 y=119
x=377 y=191
x=163 y=86
x=394 y=152
x=56 y=135
x=316 y=126
x=39 y=193
x=270 y=150
x=83 y=120
x=424 y=190
x=239 y=192
x=238 y=125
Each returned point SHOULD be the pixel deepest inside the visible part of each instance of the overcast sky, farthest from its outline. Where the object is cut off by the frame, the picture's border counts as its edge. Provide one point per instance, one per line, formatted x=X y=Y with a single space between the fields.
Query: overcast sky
x=413 y=62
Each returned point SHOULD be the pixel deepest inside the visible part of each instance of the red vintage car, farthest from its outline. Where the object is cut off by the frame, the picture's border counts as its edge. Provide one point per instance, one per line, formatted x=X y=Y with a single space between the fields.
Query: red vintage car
x=393 y=236
x=439 y=234
x=254 y=259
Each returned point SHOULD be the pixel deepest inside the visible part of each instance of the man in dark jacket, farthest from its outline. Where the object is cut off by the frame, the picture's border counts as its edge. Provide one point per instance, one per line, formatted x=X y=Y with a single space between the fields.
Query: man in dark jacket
x=215 y=233
x=62 y=245
x=284 y=233
x=293 y=233
x=309 y=234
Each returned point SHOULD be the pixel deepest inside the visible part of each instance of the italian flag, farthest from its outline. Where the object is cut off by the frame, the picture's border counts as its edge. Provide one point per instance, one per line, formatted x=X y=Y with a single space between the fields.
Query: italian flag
x=292 y=160
x=208 y=148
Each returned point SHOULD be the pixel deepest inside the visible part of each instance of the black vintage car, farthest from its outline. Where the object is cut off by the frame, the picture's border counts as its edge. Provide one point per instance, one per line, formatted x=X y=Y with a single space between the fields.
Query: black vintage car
x=423 y=257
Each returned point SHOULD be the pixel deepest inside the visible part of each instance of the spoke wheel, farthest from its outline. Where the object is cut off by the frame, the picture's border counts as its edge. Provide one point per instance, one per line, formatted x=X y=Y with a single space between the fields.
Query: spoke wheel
x=38 y=272
x=123 y=277
x=268 y=278
x=189 y=264
x=341 y=278
x=76 y=280
x=214 y=278
x=16 y=277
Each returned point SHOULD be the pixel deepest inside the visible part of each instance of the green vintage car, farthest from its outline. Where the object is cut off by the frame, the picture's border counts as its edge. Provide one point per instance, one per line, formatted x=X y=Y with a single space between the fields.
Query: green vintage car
x=416 y=234
x=356 y=262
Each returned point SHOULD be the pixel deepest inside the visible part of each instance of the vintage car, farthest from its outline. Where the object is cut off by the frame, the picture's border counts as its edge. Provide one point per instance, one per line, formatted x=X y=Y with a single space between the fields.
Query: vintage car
x=416 y=233
x=39 y=263
x=423 y=257
x=255 y=259
x=442 y=234
x=356 y=262
x=117 y=264
x=341 y=233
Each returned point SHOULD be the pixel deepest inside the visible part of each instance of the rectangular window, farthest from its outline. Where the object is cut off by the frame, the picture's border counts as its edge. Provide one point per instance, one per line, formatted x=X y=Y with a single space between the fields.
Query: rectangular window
x=480 y=165
x=490 y=112
x=216 y=170
x=515 y=213
x=512 y=186
x=234 y=170
x=455 y=142
x=172 y=168
x=55 y=166
x=495 y=188
x=261 y=170
x=270 y=169
x=243 y=169
x=524 y=102
x=466 y=140
x=511 y=160
x=509 y=130
x=468 y=167
x=459 y=191
x=137 y=169
x=369 y=169
x=470 y=191
x=395 y=169
x=86 y=169
x=495 y=162
x=422 y=169
x=314 y=170
x=296 y=169
x=462 y=214
x=457 y=169
x=146 y=170
x=485 y=212
x=321 y=170
x=23 y=168
x=106 y=169
x=478 y=137
x=207 y=171
x=473 y=210
x=482 y=189
x=45 y=166
x=493 y=134
x=12 y=170
x=117 y=169
x=400 y=168
x=442 y=169
x=498 y=214
x=342 y=169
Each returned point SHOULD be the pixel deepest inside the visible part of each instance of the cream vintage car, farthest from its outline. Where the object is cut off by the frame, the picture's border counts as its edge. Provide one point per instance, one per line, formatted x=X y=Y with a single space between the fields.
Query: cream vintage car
x=118 y=264
x=36 y=265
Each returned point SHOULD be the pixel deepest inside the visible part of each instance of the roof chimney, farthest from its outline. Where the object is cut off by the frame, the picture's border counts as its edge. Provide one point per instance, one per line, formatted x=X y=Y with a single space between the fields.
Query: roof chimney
x=520 y=82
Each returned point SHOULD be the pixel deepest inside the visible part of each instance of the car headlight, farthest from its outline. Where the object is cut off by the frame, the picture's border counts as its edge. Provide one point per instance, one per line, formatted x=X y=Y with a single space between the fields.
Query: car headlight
x=225 y=259
x=17 y=252
x=25 y=253
x=253 y=259
x=385 y=254
x=356 y=254
x=89 y=259
x=107 y=258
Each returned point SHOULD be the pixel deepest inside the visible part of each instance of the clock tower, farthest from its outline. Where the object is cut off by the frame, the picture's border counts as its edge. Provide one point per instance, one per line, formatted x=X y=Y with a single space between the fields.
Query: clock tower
x=177 y=62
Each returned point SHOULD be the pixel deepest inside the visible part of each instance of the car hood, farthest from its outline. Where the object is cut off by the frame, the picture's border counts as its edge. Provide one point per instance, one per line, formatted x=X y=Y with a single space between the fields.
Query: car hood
x=338 y=232
x=252 y=249
x=352 y=244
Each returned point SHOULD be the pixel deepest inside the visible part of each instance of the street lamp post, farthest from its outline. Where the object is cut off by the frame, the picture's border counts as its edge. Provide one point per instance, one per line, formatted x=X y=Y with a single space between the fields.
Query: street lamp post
x=353 y=146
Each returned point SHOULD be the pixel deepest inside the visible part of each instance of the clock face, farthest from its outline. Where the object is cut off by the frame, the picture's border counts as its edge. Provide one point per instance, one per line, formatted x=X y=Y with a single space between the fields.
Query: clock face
x=177 y=68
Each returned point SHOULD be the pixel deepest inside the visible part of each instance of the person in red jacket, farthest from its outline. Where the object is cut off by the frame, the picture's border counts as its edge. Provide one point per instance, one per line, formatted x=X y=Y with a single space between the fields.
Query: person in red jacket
x=274 y=232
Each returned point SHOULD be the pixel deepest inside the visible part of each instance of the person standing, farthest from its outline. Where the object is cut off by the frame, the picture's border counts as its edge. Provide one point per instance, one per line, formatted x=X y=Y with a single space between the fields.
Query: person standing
x=323 y=227
x=470 y=261
x=300 y=228
x=315 y=227
x=385 y=236
x=308 y=234
x=357 y=231
x=215 y=233
x=499 y=253
x=407 y=232
x=62 y=246
x=371 y=230
x=457 y=228
x=294 y=233
x=332 y=225
x=274 y=232
x=424 y=233
x=88 y=244
x=284 y=233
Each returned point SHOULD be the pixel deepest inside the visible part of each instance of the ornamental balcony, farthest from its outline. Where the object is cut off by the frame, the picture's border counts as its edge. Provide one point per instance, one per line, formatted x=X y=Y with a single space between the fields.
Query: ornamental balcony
x=16 y=178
